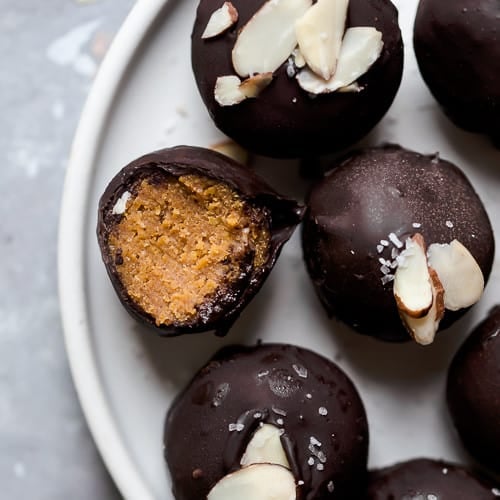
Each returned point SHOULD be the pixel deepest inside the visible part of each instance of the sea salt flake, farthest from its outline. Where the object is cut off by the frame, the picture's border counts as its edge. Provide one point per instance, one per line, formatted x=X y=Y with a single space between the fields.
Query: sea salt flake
x=279 y=421
x=314 y=441
x=309 y=396
x=236 y=427
x=300 y=482
x=320 y=466
x=385 y=270
x=380 y=248
x=449 y=224
x=395 y=240
x=278 y=411
x=257 y=414
x=416 y=225
x=444 y=471
x=496 y=492
x=384 y=243
x=387 y=279
x=300 y=371
x=310 y=462
x=322 y=411
x=330 y=487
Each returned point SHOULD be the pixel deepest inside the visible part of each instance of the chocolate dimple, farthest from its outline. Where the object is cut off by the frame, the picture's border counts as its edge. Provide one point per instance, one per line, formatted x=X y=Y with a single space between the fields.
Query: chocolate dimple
x=457 y=45
x=268 y=214
x=364 y=209
x=426 y=479
x=473 y=391
x=284 y=120
x=313 y=403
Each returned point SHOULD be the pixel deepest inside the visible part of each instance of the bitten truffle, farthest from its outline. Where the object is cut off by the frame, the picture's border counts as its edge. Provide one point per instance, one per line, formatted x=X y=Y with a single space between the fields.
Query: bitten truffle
x=473 y=392
x=188 y=237
x=457 y=45
x=426 y=479
x=389 y=238
x=277 y=51
x=272 y=403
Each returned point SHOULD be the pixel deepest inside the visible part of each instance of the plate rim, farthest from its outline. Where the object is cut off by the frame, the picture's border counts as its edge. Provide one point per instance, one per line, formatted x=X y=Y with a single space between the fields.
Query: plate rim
x=71 y=276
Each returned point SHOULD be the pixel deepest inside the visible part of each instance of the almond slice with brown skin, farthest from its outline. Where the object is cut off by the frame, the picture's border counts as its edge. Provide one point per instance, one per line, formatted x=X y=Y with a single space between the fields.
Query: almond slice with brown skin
x=412 y=282
x=423 y=330
x=265 y=447
x=253 y=86
x=220 y=20
x=361 y=47
x=230 y=90
x=268 y=39
x=459 y=272
x=319 y=35
x=256 y=482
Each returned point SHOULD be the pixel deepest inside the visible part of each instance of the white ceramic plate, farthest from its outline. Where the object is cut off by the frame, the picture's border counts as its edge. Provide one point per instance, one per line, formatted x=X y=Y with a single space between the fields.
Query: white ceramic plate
x=144 y=98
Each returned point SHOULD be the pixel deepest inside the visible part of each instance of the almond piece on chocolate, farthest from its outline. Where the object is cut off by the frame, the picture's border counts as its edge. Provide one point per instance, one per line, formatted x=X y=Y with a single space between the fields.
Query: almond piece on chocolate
x=257 y=481
x=268 y=39
x=221 y=20
x=412 y=281
x=460 y=274
x=360 y=48
x=319 y=35
x=265 y=447
x=423 y=330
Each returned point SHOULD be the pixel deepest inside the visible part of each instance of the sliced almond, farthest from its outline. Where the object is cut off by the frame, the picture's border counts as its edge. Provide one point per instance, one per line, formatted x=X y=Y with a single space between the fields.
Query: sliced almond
x=253 y=86
x=265 y=447
x=227 y=90
x=412 y=282
x=230 y=90
x=353 y=87
x=220 y=20
x=361 y=47
x=232 y=150
x=319 y=35
x=268 y=39
x=460 y=274
x=256 y=482
x=424 y=329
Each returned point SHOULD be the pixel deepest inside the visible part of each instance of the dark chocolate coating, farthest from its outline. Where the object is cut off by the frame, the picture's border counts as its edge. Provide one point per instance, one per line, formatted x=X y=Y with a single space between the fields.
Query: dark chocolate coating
x=457 y=45
x=283 y=215
x=270 y=380
x=473 y=392
x=284 y=121
x=426 y=479
x=369 y=195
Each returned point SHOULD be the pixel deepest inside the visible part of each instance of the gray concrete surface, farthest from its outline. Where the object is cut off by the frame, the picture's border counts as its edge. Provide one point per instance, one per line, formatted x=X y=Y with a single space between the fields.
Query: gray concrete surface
x=49 y=52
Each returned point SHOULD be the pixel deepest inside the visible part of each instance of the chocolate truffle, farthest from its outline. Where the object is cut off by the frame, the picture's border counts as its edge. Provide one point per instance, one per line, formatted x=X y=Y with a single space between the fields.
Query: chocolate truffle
x=457 y=45
x=426 y=479
x=473 y=392
x=312 y=406
x=188 y=237
x=361 y=216
x=285 y=118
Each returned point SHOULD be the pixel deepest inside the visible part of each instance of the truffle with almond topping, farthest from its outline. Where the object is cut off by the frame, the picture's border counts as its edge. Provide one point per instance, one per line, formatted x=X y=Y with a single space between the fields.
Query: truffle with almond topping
x=473 y=392
x=188 y=237
x=426 y=479
x=457 y=45
x=297 y=79
x=269 y=404
x=359 y=235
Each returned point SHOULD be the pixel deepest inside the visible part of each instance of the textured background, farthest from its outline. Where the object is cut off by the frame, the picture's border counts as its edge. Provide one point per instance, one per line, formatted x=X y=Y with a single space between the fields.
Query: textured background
x=50 y=52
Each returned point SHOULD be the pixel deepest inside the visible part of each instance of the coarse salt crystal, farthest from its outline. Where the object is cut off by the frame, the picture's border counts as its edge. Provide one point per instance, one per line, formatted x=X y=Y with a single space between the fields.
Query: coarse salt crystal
x=322 y=411
x=380 y=248
x=449 y=224
x=300 y=371
x=310 y=461
x=395 y=240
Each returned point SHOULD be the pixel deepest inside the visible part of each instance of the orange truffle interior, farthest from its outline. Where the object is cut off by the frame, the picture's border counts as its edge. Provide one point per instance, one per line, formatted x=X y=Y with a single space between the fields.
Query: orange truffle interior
x=183 y=241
